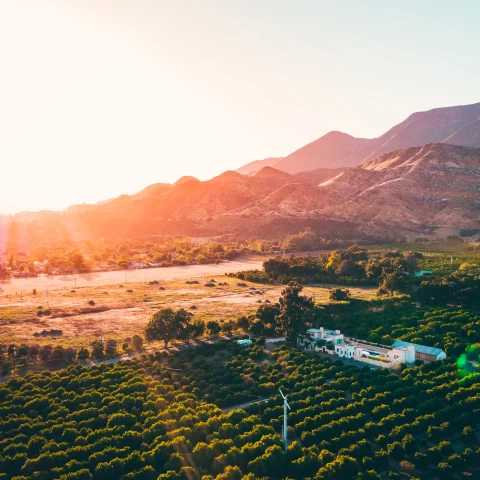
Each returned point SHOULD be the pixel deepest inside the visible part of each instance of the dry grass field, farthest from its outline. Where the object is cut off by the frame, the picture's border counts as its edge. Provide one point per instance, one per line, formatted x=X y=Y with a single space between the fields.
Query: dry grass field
x=120 y=311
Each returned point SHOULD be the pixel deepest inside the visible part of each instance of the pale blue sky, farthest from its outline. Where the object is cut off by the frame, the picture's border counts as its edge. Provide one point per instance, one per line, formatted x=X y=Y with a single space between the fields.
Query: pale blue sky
x=104 y=97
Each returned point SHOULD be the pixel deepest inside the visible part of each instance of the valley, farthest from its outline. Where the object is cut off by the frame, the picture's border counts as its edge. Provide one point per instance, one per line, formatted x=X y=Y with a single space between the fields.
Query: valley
x=239 y=240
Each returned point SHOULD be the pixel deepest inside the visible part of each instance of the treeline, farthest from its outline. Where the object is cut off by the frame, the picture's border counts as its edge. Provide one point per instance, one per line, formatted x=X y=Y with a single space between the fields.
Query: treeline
x=352 y=266
x=459 y=288
x=68 y=257
x=13 y=357
x=392 y=271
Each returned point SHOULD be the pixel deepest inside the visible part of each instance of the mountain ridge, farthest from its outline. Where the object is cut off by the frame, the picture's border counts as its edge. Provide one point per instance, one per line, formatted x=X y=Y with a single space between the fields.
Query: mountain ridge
x=458 y=125
x=414 y=188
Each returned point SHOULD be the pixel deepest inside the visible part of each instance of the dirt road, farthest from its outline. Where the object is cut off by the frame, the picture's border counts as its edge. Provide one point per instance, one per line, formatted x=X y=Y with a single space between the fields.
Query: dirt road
x=96 y=279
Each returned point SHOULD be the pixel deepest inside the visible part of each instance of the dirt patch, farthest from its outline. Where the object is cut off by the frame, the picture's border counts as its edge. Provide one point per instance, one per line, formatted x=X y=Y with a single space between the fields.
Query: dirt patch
x=77 y=328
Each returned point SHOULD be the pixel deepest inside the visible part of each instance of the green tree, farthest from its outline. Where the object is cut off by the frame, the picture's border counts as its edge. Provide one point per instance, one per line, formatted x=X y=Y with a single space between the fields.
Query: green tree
x=162 y=326
x=242 y=323
x=267 y=313
x=197 y=329
x=83 y=354
x=98 y=350
x=137 y=343
x=340 y=295
x=213 y=328
x=393 y=282
x=295 y=312
x=183 y=325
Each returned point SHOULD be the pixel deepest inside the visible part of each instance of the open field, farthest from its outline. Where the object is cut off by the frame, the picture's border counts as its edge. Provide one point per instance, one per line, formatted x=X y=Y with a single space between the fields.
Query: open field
x=122 y=311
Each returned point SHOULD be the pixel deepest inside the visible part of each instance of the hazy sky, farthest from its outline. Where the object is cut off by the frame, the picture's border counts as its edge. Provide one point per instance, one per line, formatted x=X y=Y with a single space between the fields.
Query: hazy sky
x=99 y=98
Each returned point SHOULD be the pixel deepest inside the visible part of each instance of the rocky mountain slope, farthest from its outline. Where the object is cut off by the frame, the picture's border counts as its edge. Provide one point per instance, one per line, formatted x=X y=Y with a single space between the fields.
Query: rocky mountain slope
x=410 y=189
x=317 y=176
x=437 y=184
x=454 y=125
x=459 y=125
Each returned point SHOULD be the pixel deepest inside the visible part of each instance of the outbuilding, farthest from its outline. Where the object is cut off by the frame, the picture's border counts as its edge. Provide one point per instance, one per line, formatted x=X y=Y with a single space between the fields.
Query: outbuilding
x=422 y=352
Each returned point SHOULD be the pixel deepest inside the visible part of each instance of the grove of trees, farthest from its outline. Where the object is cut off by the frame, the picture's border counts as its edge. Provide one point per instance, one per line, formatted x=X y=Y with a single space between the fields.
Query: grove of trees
x=159 y=417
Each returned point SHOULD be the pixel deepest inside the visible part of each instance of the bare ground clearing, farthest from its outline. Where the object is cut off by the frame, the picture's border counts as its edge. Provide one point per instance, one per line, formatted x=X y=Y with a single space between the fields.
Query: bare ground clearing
x=120 y=312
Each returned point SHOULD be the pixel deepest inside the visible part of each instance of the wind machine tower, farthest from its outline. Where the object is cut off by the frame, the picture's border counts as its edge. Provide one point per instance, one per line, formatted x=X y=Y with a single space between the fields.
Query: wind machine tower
x=285 y=406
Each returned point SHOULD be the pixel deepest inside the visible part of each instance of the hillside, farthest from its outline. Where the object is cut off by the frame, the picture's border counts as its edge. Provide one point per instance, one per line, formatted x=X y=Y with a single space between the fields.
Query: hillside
x=185 y=179
x=437 y=184
x=330 y=151
x=253 y=167
x=412 y=178
x=317 y=176
x=408 y=190
x=459 y=125
x=468 y=136
x=440 y=125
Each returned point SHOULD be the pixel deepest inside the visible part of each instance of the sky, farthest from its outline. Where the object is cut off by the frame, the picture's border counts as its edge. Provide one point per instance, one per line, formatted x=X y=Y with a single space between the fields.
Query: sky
x=103 y=97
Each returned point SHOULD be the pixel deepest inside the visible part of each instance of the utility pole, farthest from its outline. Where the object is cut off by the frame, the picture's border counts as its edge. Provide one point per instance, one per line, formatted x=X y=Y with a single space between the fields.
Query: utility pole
x=21 y=300
x=13 y=360
x=75 y=281
x=285 y=411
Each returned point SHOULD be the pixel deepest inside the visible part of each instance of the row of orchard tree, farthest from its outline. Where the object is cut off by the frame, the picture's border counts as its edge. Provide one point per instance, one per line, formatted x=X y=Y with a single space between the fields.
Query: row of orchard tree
x=14 y=356
x=157 y=417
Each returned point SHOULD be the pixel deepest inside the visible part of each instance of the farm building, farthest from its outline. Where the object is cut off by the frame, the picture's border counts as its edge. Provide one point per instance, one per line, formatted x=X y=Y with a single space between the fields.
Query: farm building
x=422 y=352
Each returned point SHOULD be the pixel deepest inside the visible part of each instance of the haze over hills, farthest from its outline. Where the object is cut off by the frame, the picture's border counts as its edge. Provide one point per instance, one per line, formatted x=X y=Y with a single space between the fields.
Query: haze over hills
x=413 y=188
x=459 y=125
x=253 y=167
x=333 y=150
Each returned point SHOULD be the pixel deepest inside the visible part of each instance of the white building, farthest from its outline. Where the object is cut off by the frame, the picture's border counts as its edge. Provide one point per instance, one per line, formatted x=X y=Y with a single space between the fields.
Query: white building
x=334 y=342
x=347 y=350
x=422 y=352
x=333 y=336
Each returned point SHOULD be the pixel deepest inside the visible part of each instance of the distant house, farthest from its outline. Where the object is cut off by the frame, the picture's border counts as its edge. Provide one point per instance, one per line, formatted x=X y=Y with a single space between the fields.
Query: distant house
x=422 y=352
x=333 y=342
x=137 y=265
x=316 y=336
x=245 y=342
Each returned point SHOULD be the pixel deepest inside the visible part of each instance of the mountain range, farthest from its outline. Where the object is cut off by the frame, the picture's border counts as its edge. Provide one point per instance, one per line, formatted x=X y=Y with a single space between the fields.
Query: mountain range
x=422 y=175
x=458 y=125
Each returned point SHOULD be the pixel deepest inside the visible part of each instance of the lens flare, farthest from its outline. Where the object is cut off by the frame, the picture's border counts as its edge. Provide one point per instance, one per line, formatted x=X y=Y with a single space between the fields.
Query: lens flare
x=468 y=363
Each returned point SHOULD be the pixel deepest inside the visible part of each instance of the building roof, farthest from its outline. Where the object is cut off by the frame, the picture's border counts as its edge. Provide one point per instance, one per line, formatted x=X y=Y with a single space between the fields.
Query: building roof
x=423 y=272
x=332 y=332
x=418 y=348
x=313 y=330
